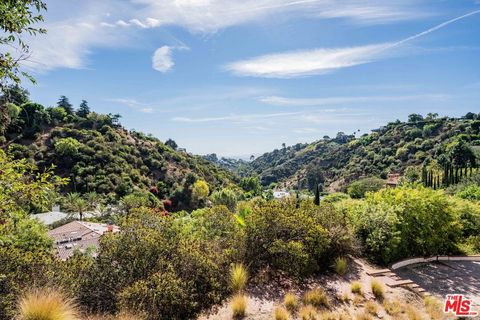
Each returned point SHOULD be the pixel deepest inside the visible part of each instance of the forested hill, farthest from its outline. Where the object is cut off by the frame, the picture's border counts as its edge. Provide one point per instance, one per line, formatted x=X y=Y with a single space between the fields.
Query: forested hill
x=97 y=153
x=392 y=148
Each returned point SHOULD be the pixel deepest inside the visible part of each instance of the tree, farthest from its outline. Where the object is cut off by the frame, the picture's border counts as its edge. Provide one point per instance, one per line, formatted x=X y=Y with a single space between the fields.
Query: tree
x=65 y=104
x=17 y=18
x=14 y=94
x=358 y=189
x=461 y=154
x=200 y=190
x=226 y=197
x=470 y=116
x=83 y=109
x=251 y=185
x=76 y=204
x=172 y=144
x=67 y=146
x=431 y=116
x=415 y=118
x=316 y=201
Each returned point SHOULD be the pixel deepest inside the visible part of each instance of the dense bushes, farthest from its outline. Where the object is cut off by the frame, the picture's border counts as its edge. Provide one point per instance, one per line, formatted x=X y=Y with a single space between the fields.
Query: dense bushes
x=400 y=223
x=299 y=241
x=359 y=188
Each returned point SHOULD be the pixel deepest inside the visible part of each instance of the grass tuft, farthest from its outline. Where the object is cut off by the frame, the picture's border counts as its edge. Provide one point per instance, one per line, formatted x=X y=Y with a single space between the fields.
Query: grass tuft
x=307 y=312
x=363 y=316
x=238 y=277
x=371 y=307
x=340 y=266
x=280 y=313
x=393 y=307
x=433 y=307
x=377 y=289
x=46 y=304
x=413 y=314
x=356 y=287
x=239 y=306
x=291 y=302
x=316 y=297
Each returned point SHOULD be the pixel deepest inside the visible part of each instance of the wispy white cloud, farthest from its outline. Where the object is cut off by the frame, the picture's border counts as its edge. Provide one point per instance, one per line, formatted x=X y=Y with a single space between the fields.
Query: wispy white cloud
x=206 y=16
x=305 y=63
x=324 y=60
x=235 y=117
x=133 y=104
x=306 y=102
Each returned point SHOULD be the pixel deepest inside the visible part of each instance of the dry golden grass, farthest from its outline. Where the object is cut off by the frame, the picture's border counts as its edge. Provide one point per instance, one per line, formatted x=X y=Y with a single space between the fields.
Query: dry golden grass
x=363 y=316
x=291 y=302
x=238 y=277
x=46 y=304
x=307 y=312
x=357 y=300
x=377 y=289
x=316 y=297
x=345 y=297
x=356 y=287
x=338 y=315
x=239 y=306
x=434 y=308
x=371 y=307
x=413 y=313
x=340 y=266
x=280 y=313
x=392 y=307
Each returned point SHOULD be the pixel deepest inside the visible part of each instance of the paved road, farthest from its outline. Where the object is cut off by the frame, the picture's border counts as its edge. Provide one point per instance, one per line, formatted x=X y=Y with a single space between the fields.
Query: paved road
x=442 y=278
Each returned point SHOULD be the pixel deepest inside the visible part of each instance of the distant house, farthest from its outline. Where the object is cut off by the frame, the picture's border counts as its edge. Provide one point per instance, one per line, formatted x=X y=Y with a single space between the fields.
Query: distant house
x=281 y=194
x=51 y=217
x=56 y=215
x=79 y=235
x=393 y=179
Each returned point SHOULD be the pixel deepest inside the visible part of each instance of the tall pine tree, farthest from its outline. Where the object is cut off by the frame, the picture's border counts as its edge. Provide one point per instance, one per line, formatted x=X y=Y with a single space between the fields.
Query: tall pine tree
x=65 y=104
x=83 y=109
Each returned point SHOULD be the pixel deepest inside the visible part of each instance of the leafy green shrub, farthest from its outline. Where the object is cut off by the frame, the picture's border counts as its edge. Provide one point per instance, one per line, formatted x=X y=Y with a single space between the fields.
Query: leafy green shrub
x=403 y=222
x=335 y=197
x=67 y=146
x=163 y=296
x=471 y=192
x=226 y=197
x=168 y=267
x=275 y=237
x=359 y=188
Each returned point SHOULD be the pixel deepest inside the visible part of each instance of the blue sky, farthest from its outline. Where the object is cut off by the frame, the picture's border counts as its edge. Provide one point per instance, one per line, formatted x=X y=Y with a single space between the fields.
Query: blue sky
x=241 y=77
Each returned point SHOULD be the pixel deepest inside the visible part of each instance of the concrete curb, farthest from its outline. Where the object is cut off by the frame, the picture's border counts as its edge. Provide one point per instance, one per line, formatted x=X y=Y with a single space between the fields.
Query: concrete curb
x=407 y=262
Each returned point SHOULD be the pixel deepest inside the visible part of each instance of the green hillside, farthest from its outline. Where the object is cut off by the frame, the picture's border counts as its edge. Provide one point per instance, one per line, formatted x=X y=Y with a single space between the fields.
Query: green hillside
x=335 y=162
x=99 y=155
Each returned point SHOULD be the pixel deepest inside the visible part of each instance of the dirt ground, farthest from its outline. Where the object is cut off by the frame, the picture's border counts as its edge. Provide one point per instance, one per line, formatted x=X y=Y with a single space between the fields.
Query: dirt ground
x=267 y=292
